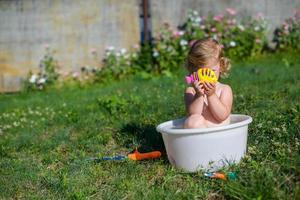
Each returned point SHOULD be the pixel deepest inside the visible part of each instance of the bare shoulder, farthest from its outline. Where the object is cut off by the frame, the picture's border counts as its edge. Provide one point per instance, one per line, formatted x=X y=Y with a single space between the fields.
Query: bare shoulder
x=226 y=89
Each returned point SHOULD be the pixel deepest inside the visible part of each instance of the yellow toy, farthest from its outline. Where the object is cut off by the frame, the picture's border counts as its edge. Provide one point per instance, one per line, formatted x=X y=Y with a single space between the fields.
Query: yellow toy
x=202 y=75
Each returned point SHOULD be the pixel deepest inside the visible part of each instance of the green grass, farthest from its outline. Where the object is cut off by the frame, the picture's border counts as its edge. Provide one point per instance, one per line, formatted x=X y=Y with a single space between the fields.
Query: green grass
x=46 y=138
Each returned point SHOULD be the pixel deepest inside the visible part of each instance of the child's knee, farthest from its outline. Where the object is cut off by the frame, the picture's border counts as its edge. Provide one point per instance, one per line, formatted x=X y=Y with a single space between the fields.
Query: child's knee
x=190 y=90
x=195 y=121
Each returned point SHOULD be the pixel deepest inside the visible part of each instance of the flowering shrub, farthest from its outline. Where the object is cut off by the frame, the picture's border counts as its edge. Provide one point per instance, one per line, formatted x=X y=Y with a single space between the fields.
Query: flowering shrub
x=47 y=74
x=241 y=39
x=116 y=64
x=169 y=49
x=83 y=76
x=77 y=78
x=287 y=36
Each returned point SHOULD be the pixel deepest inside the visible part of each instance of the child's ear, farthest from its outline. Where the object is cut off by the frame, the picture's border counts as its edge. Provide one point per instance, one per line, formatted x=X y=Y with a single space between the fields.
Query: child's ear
x=221 y=64
x=221 y=69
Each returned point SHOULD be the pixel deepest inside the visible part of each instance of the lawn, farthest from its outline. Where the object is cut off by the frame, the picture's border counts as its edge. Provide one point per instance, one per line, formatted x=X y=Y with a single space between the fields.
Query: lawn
x=47 y=138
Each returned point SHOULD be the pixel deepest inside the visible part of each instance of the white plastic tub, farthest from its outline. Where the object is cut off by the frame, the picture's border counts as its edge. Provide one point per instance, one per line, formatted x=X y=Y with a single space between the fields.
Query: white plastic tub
x=205 y=148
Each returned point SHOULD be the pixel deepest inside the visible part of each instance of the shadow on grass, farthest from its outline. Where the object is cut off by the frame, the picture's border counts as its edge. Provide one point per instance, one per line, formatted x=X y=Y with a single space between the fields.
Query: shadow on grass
x=143 y=136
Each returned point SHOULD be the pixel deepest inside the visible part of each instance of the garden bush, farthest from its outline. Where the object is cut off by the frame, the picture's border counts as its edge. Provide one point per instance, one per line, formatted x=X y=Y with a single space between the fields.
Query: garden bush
x=287 y=36
x=241 y=39
x=47 y=74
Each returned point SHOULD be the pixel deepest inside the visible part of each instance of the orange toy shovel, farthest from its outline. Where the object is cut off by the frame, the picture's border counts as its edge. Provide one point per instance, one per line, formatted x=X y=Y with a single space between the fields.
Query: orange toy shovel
x=142 y=156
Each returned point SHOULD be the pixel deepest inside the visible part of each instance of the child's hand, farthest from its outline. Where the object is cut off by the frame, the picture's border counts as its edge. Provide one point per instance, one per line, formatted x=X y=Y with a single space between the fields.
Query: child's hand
x=209 y=88
x=199 y=88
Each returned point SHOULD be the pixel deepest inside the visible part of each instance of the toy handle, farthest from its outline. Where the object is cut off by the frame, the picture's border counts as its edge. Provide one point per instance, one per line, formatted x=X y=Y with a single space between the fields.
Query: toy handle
x=113 y=158
x=142 y=156
x=216 y=175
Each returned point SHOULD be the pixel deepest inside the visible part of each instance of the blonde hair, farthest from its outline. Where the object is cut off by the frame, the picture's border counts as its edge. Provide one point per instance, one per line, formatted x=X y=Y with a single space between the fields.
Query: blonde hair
x=205 y=50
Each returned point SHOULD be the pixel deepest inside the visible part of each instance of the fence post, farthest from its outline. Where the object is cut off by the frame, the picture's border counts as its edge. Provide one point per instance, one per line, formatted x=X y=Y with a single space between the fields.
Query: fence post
x=145 y=22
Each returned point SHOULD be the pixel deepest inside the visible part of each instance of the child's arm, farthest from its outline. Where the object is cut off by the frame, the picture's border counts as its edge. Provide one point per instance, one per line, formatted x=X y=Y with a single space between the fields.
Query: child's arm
x=221 y=108
x=193 y=101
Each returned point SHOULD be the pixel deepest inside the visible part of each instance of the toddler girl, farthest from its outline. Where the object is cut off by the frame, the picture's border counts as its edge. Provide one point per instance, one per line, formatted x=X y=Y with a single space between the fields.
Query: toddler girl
x=207 y=104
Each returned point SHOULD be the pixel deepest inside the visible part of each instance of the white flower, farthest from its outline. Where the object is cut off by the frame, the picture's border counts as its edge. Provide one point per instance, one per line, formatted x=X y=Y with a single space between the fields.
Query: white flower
x=155 y=54
x=41 y=81
x=181 y=32
x=256 y=28
x=198 y=20
x=118 y=54
x=107 y=53
x=195 y=24
x=33 y=78
x=123 y=51
x=241 y=27
x=232 y=43
x=215 y=37
x=111 y=48
x=170 y=48
x=195 y=12
x=183 y=42
x=75 y=74
x=16 y=124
